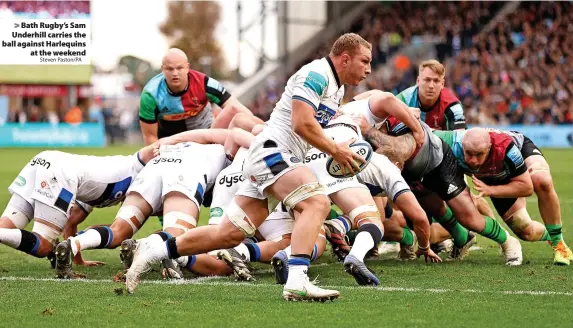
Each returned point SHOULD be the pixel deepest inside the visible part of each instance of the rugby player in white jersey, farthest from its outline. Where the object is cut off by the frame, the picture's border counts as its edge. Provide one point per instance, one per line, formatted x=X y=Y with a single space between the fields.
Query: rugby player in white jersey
x=274 y=168
x=353 y=197
x=173 y=183
x=47 y=186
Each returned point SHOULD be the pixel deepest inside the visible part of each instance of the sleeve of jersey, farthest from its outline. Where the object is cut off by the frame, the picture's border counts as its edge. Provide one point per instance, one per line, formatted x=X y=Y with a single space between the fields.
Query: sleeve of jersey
x=87 y=209
x=216 y=92
x=401 y=97
x=309 y=88
x=514 y=160
x=455 y=117
x=147 y=108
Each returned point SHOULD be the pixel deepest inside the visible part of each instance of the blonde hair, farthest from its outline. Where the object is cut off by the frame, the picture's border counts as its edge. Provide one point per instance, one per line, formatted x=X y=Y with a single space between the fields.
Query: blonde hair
x=433 y=65
x=397 y=149
x=349 y=42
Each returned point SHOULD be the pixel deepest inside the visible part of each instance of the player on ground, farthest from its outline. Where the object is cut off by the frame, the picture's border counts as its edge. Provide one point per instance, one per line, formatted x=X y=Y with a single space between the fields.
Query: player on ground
x=273 y=168
x=47 y=186
x=434 y=167
x=498 y=162
x=176 y=99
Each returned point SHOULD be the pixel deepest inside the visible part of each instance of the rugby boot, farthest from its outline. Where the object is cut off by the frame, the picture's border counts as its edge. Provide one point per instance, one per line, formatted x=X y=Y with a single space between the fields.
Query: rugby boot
x=337 y=240
x=280 y=266
x=64 y=256
x=237 y=262
x=458 y=253
x=361 y=273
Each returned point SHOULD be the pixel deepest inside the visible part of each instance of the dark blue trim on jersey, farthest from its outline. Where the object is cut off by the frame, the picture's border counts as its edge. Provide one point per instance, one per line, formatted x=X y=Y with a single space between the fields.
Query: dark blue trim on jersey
x=306 y=101
x=400 y=193
x=333 y=69
x=139 y=159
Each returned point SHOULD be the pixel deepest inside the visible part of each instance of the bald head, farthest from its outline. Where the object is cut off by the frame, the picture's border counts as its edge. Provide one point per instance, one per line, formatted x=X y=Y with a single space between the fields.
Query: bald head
x=174 y=55
x=175 y=67
x=476 y=140
x=476 y=146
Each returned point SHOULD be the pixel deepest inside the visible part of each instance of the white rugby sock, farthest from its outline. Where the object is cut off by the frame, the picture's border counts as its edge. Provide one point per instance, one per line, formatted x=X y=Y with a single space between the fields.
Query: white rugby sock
x=182 y=261
x=11 y=237
x=244 y=250
x=288 y=251
x=87 y=240
x=362 y=244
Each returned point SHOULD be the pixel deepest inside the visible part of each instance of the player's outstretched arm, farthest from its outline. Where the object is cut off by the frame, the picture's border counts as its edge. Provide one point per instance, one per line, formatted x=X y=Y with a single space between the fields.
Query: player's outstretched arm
x=383 y=104
x=238 y=138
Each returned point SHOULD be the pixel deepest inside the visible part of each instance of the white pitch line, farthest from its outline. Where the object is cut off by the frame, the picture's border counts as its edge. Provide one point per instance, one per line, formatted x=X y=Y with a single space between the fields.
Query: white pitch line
x=214 y=281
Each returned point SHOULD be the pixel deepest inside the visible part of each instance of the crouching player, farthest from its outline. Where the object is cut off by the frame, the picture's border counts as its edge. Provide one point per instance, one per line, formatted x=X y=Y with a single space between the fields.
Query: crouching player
x=47 y=186
x=507 y=167
x=173 y=183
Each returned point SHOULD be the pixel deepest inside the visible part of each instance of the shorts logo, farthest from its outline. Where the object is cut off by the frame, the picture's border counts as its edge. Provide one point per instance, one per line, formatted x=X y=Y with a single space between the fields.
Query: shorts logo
x=44 y=184
x=451 y=189
x=232 y=179
x=44 y=193
x=294 y=159
x=20 y=181
x=166 y=160
x=41 y=162
x=253 y=179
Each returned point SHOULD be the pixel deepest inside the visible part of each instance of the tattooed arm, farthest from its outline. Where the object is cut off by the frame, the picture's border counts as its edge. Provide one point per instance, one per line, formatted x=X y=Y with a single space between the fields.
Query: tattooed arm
x=397 y=149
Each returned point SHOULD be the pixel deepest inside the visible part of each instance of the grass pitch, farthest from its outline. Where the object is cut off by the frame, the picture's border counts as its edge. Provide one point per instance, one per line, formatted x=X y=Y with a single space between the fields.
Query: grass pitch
x=480 y=291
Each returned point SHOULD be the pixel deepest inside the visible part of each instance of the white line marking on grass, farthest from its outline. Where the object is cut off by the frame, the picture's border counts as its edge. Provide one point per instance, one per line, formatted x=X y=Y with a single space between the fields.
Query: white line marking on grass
x=215 y=281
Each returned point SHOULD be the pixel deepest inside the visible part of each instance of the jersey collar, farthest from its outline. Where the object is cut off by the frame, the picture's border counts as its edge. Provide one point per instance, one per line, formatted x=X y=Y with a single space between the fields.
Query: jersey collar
x=331 y=64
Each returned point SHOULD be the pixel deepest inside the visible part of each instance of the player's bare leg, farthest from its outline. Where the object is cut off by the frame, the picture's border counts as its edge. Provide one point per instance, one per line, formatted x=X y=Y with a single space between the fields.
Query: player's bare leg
x=252 y=212
x=363 y=213
x=130 y=217
x=549 y=206
x=468 y=215
x=299 y=190
x=179 y=216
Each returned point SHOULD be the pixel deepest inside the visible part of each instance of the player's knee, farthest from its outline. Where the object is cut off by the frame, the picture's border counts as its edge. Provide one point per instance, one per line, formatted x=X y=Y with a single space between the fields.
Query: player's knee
x=310 y=196
x=131 y=215
x=521 y=224
x=240 y=226
x=542 y=183
x=179 y=220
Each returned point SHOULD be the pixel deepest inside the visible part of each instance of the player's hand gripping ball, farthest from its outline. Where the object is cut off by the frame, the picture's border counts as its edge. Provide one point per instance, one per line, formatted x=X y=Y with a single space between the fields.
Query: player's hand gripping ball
x=361 y=148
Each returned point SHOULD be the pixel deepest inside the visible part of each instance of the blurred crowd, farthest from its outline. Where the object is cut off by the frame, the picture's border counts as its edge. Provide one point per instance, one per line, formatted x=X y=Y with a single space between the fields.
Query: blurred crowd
x=44 y=9
x=518 y=74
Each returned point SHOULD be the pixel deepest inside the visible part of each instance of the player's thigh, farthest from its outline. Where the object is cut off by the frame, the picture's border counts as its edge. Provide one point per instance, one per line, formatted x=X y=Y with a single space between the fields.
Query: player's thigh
x=507 y=206
x=49 y=221
x=350 y=199
x=18 y=213
x=300 y=190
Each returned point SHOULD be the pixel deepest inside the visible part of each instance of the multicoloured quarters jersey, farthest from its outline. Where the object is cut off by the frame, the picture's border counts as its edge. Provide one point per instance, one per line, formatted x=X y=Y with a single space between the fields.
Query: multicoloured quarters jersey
x=179 y=112
x=446 y=114
x=503 y=162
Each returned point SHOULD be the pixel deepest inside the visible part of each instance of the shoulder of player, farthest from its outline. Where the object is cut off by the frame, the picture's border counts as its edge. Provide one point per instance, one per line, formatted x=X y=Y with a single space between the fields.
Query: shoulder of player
x=409 y=96
x=448 y=97
x=154 y=84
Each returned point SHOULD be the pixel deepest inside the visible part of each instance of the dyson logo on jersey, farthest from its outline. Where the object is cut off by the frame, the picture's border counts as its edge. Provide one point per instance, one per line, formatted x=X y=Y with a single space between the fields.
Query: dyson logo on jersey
x=324 y=114
x=41 y=162
x=230 y=180
x=166 y=160
x=314 y=157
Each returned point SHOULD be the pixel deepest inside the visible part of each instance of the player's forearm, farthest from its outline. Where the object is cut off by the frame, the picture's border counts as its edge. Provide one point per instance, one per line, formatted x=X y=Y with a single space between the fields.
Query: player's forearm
x=409 y=206
x=394 y=107
x=514 y=189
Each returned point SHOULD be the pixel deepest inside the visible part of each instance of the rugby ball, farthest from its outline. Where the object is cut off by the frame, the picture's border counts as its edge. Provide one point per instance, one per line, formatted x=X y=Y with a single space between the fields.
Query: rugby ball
x=361 y=148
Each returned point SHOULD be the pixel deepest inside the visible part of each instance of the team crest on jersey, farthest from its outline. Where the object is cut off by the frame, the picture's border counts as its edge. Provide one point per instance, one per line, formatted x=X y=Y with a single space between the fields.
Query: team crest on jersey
x=324 y=114
x=294 y=159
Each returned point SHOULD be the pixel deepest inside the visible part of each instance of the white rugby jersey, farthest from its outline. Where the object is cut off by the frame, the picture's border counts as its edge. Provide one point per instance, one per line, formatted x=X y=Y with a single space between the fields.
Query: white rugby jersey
x=101 y=180
x=228 y=182
x=317 y=84
x=362 y=107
